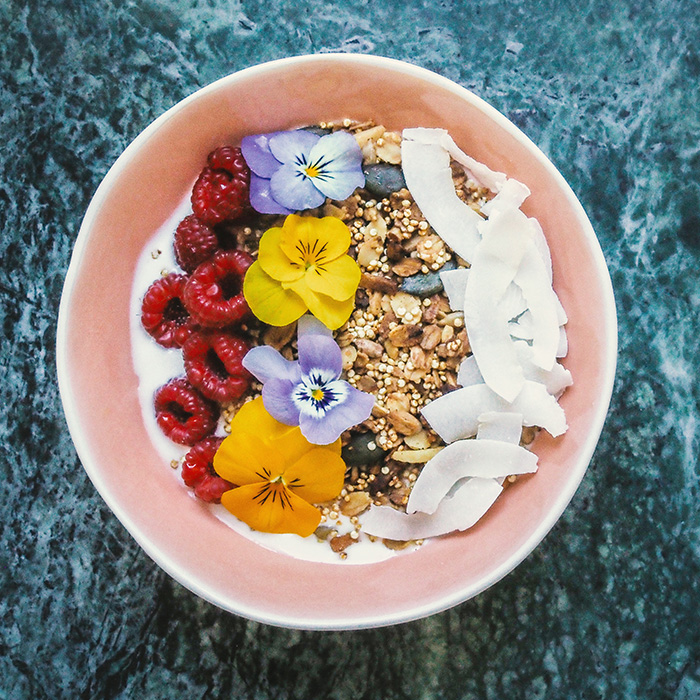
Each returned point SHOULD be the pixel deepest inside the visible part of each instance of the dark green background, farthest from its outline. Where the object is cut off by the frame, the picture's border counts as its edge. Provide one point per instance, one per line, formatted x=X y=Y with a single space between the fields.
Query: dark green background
x=607 y=605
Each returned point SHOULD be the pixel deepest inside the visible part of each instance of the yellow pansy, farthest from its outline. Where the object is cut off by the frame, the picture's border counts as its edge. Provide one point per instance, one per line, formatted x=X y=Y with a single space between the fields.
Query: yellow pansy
x=303 y=266
x=279 y=473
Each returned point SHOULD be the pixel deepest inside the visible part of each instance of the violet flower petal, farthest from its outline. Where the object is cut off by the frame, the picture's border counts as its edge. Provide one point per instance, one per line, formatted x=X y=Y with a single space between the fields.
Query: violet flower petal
x=339 y=159
x=310 y=324
x=319 y=354
x=292 y=189
x=265 y=363
x=261 y=198
x=292 y=146
x=356 y=408
x=257 y=154
x=277 y=399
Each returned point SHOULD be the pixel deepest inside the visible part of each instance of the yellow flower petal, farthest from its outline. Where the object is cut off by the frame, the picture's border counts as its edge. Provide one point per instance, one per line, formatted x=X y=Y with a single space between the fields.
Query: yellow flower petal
x=293 y=445
x=268 y=300
x=317 y=476
x=337 y=279
x=272 y=508
x=273 y=260
x=252 y=417
x=330 y=312
x=318 y=241
x=244 y=458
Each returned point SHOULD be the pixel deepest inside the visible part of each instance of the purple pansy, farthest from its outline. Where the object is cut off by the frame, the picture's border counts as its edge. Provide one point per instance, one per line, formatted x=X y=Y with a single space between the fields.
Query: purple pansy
x=295 y=170
x=309 y=392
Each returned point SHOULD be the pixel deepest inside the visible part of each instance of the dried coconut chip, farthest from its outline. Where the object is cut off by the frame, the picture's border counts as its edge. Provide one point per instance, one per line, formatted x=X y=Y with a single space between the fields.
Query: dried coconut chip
x=542 y=304
x=506 y=427
x=460 y=511
x=497 y=260
x=479 y=172
x=426 y=169
x=455 y=284
x=456 y=415
x=563 y=346
x=555 y=380
x=486 y=459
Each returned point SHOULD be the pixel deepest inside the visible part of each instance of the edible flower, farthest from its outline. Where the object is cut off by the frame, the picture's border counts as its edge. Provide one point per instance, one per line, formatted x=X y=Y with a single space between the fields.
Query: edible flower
x=278 y=472
x=294 y=170
x=309 y=392
x=303 y=266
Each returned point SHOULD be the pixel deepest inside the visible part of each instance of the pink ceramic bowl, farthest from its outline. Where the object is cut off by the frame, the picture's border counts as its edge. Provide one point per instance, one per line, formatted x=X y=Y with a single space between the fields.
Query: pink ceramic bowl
x=99 y=386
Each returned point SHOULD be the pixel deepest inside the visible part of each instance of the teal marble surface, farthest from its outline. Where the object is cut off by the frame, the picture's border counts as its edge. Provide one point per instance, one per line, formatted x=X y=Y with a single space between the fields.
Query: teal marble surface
x=607 y=606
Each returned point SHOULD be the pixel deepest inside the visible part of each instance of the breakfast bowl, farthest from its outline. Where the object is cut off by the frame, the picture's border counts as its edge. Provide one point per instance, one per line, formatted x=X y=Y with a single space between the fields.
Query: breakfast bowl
x=100 y=386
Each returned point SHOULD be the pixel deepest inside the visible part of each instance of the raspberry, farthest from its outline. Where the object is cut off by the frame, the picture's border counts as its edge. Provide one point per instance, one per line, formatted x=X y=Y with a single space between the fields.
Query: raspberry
x=195 y=242
x=214 y=293
x=213 y=365
x=183 y=414
x=198 y=471
x=163 y=313
x=221 y=191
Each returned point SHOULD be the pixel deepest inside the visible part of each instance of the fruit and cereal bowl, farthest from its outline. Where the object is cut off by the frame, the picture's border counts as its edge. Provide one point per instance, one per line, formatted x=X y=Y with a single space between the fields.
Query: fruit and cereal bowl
x=336 y=343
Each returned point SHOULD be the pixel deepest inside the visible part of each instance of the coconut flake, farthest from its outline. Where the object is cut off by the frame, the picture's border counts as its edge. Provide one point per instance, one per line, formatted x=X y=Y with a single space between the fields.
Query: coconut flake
x=456 y=415
x=555 y=380
x=563 y=346
x=522 y=327
x=486 y=459
x=506 y=427
x=511 y=195
x=455 y=284
x=426 y=169
x=468 y=372
x=532 y=278
x=496 y=262
x=460 y=511
x=480 y=173
x=513 y=302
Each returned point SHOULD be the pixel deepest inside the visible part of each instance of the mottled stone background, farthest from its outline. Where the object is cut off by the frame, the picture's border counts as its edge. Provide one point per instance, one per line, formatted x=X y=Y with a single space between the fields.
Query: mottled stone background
x=607 y=606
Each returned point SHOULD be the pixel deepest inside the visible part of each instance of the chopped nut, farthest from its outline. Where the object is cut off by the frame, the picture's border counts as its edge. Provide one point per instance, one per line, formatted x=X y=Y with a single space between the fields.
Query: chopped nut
x=364 y=137
x=420 y=360
x=398 y=401
x=369 y=347
x=369 y=252
x=278 y=336
x=367 y=384
x=404 y=423
x=349 y=355
x=406 y=335
x=341 y=543
x=361 y=360
x=407 y=267
x=432 y=336
x=378 y=283
x=356 y=503
x=418 y=441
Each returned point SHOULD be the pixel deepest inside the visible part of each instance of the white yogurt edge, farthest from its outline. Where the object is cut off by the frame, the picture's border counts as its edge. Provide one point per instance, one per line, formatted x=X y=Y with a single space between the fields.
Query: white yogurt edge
x=155 y=365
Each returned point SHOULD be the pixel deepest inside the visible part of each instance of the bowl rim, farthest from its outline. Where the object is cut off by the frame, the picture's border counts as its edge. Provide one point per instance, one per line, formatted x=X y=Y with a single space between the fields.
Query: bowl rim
x=578 y=469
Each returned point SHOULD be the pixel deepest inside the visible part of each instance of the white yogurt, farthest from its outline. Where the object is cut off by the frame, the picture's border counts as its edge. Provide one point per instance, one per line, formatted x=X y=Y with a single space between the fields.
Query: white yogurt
x=155 y=365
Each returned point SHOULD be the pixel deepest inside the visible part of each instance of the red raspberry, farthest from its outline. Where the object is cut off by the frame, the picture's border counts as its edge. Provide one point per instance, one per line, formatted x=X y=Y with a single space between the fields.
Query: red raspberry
x=213 y=365
x=214 y=293
x=222 y=190
x=163 y=314
x=198 y=471
x=183 y=414
x=195 y=242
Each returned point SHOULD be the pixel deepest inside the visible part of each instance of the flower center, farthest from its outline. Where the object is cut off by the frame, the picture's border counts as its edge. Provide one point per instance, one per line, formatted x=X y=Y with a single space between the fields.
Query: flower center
x=312 y=170
x=317 y=394
x=311 y=254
